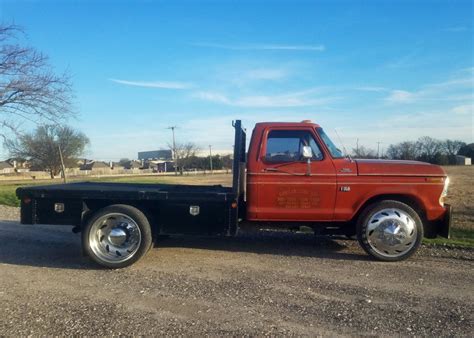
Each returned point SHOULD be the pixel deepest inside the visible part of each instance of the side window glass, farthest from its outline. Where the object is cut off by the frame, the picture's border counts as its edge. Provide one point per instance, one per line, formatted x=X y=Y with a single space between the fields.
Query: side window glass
x=287 y=145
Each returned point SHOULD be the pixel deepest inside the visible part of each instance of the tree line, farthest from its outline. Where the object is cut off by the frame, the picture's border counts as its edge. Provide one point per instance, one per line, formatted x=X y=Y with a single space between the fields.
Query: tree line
x=188 y=159
x=426 y=149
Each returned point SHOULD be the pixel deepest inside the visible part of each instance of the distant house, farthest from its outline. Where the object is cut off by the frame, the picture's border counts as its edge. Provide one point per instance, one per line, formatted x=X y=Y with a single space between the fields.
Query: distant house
x=463 y=160
x=162 y=154
x=164 y=166
x=95 y=165
x=158 y=166
x=20 y=165
x=6 y=168
x=133 y=165
x=116 y=166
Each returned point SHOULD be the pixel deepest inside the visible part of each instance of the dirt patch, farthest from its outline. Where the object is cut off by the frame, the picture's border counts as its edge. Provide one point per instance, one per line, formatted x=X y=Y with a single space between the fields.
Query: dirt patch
x=254 y=284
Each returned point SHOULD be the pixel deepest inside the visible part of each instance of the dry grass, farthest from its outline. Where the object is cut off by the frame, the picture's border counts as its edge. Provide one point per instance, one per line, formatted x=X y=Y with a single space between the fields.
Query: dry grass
x=461 y=195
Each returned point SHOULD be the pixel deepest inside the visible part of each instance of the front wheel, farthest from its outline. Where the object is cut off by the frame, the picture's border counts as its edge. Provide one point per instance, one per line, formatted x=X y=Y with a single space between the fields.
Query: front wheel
x=117 y=236
x=389 y=230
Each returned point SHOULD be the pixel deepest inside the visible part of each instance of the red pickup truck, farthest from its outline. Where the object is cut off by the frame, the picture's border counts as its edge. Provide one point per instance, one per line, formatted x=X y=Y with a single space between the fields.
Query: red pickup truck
x=292 y=175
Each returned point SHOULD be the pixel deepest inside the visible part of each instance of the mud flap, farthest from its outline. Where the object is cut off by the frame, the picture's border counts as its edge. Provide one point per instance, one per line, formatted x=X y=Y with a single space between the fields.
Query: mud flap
x=444 y=226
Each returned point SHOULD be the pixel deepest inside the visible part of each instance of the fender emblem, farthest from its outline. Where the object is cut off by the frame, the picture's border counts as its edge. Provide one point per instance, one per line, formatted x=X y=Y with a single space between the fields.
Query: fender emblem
x=345 y=170
x=345 y=188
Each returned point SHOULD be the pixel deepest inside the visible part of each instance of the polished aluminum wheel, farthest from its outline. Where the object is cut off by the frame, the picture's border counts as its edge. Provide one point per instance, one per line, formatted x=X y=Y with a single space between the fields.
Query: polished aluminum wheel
x=391 y=232
x=114 y=237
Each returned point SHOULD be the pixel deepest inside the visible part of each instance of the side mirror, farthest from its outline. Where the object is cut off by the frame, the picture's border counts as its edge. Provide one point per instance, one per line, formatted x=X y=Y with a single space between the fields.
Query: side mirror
x=307 y=152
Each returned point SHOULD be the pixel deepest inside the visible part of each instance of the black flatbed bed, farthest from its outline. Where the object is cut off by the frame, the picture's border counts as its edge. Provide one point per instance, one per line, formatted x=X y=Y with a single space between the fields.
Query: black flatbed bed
x=105 y=190
x=172 y=208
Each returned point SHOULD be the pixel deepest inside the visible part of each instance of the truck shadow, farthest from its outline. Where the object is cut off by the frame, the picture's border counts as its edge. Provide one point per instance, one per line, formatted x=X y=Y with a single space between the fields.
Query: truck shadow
x=272 y=243
x=41 y=246
x=57 y=247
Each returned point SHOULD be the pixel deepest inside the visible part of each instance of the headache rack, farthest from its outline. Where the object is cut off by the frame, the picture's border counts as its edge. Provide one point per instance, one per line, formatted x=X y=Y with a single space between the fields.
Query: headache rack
x=238 y=176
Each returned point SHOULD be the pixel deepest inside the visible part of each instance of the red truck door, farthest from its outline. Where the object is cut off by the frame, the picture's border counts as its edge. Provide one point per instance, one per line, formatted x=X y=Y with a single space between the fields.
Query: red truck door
x=285 y=190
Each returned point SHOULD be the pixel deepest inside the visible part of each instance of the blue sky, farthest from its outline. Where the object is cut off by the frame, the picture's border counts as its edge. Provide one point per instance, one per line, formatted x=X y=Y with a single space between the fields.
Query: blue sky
x=374 y=70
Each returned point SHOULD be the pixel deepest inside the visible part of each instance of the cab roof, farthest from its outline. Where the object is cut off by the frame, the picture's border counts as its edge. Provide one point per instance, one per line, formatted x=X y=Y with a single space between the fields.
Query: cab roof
x=287 y=124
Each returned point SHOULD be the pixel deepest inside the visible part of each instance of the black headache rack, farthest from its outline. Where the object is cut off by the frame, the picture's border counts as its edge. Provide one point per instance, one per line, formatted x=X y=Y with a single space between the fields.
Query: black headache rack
x=238 y=177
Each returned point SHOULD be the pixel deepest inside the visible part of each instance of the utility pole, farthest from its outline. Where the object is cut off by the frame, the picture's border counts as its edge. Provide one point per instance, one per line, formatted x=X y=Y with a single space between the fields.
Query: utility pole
x=62 y=162
x=175 y=155
x=210 y=156
x=378 y=149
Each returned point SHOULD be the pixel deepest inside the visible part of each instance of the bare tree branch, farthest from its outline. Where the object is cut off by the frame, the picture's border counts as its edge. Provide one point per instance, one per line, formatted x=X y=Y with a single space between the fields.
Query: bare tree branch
x=29 y=88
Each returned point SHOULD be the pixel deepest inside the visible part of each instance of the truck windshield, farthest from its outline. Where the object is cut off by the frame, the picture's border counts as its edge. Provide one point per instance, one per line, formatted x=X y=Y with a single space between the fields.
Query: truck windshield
x=335 y=152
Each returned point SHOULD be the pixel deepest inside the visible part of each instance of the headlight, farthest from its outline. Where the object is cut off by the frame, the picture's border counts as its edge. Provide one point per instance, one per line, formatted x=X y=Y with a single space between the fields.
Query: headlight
x=444 y=193
x=445 y=189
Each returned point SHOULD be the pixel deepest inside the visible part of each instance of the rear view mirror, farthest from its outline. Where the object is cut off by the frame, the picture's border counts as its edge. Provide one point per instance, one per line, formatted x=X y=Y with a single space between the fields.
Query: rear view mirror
x=307 y=152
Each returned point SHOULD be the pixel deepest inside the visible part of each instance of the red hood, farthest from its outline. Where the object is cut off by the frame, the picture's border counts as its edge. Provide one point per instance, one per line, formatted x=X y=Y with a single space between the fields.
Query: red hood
x=398 y=168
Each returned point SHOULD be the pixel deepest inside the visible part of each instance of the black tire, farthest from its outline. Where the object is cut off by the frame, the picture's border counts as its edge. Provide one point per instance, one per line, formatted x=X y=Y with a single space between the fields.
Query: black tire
x=371 y=211
x=139 y=219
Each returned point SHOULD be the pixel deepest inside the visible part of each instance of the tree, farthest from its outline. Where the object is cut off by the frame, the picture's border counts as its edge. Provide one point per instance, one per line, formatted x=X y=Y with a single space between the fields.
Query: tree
x=467 y=150
x=429 y=149
x=363 y=152
x=185 y=152
x=451 y=147
x=124 y=161
x=42 y=146
x=29 y=89
x=406 y=150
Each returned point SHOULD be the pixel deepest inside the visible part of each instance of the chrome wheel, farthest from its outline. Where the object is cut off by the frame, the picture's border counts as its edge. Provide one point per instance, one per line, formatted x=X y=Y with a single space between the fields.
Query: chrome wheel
x=115 y=237
x=391 y=232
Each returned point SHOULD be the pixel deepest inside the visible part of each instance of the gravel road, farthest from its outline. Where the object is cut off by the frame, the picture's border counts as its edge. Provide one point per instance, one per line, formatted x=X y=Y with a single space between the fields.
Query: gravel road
x=272 y=283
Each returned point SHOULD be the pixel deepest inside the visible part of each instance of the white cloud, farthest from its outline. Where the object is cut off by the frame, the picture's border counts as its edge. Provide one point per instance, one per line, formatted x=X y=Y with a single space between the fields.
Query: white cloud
x=463 y=109
x=155 y=84
x=400 y=96
x=316 y=48
x=265 y=74
x=372 y=89
x=296 y=99
x=455 y=89
x=212 y=97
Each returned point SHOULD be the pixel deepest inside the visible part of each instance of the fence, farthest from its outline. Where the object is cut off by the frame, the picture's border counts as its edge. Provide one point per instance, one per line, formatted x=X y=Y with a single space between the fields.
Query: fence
x=101 y=172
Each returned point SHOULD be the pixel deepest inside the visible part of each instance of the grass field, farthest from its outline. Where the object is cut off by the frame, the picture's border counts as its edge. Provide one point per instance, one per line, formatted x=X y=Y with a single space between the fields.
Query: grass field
x=461 y=196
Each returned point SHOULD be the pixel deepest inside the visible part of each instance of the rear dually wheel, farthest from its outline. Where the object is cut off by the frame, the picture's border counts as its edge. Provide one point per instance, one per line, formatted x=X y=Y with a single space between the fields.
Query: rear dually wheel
x=117 y=236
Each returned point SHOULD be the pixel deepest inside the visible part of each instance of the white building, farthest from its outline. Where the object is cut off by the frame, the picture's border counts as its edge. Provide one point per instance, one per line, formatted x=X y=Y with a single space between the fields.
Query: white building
x=463 y=160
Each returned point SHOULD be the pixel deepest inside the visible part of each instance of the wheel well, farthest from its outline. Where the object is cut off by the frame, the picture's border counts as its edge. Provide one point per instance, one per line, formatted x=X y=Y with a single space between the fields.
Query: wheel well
x=149 y=210
x=409 y=200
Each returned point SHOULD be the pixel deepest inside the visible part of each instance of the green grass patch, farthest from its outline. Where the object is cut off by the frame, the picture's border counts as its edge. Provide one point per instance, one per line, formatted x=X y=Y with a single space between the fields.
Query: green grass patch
x=8 y=196
x=459 y=238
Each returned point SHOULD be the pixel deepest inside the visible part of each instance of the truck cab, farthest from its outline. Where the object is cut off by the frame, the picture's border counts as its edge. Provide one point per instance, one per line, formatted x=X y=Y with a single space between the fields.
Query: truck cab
x=332 y=193
x=292 y=175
